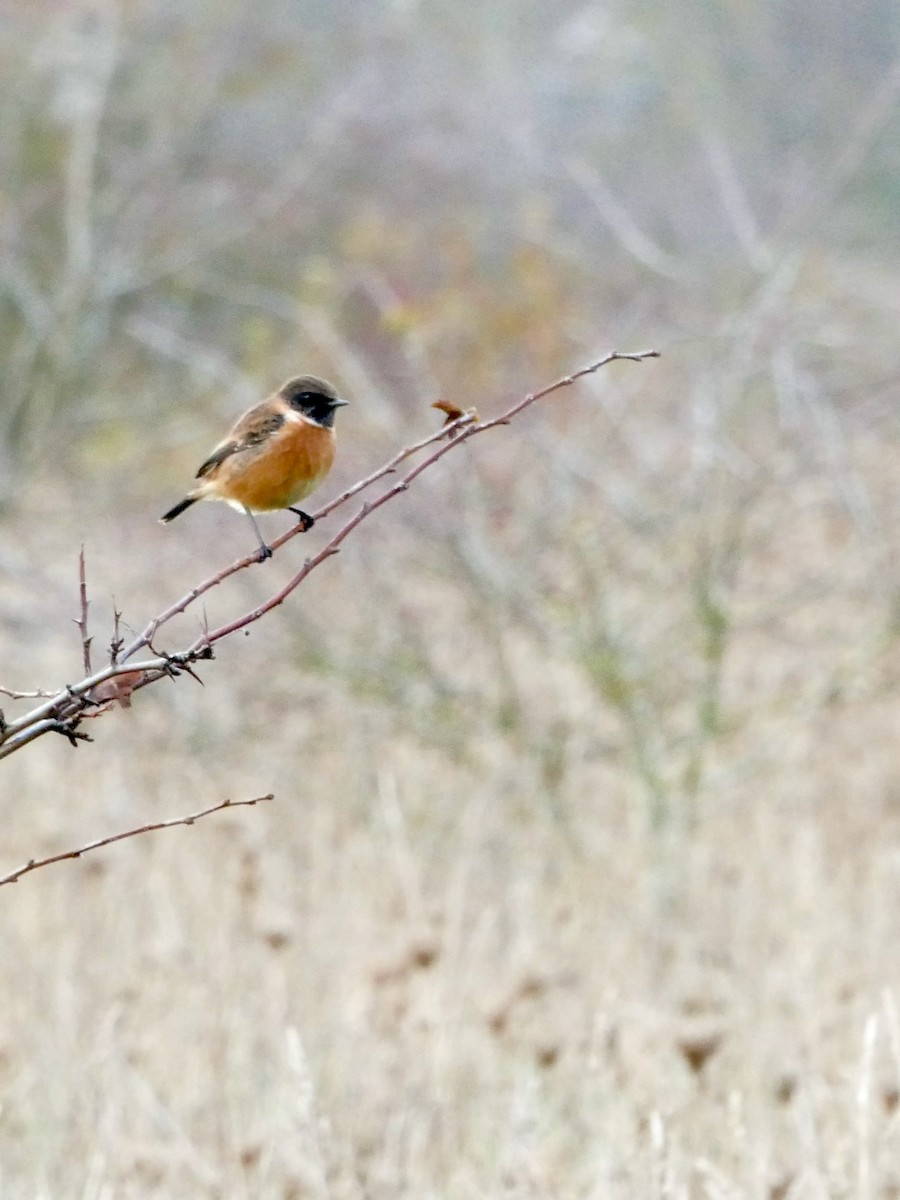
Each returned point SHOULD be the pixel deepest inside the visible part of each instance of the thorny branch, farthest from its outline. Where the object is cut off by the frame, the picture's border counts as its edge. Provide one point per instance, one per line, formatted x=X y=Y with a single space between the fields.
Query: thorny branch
x=82 y=621
x=64 y=711
x=34 y=864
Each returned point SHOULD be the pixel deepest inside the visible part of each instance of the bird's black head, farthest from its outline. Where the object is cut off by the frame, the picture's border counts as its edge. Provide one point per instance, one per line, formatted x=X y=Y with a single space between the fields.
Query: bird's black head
x=313 y=397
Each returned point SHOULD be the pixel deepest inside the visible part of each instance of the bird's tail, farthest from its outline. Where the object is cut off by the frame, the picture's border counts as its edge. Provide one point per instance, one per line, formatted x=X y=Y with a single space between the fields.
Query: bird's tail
x=178 y=509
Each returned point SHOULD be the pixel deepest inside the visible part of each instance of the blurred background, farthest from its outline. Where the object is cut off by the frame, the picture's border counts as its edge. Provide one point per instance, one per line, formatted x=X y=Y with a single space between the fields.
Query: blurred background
x=582 y=875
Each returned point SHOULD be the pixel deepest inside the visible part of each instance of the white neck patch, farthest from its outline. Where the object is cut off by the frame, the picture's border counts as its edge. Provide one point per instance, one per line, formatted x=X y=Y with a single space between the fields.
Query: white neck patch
x=297 y=418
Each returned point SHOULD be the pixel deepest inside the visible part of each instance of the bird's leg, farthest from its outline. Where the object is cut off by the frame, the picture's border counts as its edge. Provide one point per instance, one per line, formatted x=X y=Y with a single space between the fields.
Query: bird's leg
x=264 y=550
x=305 y=519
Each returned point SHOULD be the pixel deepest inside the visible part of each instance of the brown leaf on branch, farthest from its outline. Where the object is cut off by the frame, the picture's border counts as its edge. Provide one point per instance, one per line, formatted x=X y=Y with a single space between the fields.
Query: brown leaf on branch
x=118 y=688
x=455 y=413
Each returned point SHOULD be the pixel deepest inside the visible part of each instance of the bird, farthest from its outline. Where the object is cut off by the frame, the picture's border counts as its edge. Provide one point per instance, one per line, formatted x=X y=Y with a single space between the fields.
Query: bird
x=273 y=456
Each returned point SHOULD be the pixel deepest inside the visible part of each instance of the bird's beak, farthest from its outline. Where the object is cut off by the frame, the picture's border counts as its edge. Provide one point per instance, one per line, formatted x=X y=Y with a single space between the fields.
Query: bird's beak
x=336 y=403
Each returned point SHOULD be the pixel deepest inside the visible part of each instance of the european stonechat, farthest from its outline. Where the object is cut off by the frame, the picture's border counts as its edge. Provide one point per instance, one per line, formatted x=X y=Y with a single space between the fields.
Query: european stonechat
x=274 y=455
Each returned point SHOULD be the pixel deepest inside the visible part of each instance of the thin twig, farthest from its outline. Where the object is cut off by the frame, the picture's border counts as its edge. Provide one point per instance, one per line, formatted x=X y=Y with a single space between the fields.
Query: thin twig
x=82 y=621
x=14 y=695
x=116 y=641
x=34 y=864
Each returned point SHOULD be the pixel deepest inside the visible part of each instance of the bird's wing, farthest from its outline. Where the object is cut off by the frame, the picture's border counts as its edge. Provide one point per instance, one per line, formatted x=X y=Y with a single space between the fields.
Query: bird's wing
x=252 y=429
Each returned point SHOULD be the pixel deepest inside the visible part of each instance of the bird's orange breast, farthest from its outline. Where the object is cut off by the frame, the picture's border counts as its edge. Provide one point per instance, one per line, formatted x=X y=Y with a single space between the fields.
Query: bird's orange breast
x=280 y=471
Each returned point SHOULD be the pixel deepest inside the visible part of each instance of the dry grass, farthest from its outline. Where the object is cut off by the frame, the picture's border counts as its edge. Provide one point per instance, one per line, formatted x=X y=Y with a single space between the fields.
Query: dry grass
x=582 y=876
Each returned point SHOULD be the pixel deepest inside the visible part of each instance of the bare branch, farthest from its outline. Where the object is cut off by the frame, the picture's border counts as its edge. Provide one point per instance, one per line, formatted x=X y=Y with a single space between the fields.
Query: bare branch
x=64 y=711
x=453 y=434
x=35 y=864
x=14 y=695
x=68 y=706
x=251 y=560
x=116 y=642
x=82 y=621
